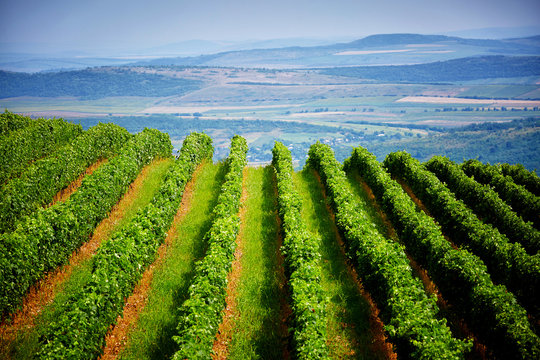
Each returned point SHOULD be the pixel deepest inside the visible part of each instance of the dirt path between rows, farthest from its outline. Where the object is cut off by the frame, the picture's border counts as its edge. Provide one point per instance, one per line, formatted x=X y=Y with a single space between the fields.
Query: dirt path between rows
x=457 y=324
x=66 y=192
x=380 y=344
x=117 y=337
x=285 y=308
x=225 y=330
x=43 y=293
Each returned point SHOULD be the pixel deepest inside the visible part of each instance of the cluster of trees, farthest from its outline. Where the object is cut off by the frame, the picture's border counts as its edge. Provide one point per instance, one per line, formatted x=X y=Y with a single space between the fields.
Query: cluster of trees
x=463 y=69
x=93 y=83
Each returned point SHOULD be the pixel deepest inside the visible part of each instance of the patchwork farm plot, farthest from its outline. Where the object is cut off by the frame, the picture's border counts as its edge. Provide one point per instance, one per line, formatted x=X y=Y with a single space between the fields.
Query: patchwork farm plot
x=113 y=248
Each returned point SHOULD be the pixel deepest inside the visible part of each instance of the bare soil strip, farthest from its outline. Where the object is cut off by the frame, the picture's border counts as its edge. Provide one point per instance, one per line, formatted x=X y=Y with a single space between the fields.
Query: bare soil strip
x=46 y=289
x=66 y=192
x=231 y=312
x=380 y=344
x=224 y=335
x=421 y=206
x=457 y=324
x=117 y=337
x=285 y=307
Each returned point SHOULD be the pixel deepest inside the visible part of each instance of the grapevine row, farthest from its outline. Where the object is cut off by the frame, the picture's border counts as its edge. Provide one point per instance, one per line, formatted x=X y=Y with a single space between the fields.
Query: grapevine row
x=492 y=312
x=79 y=332
x=41 y=181
x=11 y=122
x=485 y=202
x=409 y=314
x=507 y=262
x=301 y=251
x=46 y=239
x=201 y=314
x=520 y=199
x=522 y=176
x=32 y=142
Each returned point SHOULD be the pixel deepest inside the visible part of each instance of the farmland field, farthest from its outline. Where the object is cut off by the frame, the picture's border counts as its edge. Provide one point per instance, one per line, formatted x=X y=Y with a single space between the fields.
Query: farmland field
x=301 y=106
x=222 y=259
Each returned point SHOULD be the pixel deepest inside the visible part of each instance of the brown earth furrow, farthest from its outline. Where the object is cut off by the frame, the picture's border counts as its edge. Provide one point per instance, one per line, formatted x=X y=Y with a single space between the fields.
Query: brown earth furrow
x=117 y=337
x=421 y=206
x=457 y=324
x=429 y=285
x=284 y=306
x=43 y=293
x=66 y=192
x=380 y=344
x=220 y=348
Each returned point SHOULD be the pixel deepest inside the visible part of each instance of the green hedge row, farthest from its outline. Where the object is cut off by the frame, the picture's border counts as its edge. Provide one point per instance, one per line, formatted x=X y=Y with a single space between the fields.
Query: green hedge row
x=201 y=314
x=11 y=122
x=302 y=262
x=46 y=239
x=410 y=315
x=32 y=142
x=42 y=180
x=520 y=199
x=79 y=331
x=522 y=176
x=486 y=203
x=507 y=262
x=490 y=310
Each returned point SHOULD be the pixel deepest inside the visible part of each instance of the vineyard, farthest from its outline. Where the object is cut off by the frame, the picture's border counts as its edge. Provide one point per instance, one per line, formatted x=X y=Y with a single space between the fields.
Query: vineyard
x=113 y=248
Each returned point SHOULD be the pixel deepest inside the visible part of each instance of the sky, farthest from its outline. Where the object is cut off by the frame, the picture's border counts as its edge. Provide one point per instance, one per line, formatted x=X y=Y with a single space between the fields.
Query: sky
x=93 y=24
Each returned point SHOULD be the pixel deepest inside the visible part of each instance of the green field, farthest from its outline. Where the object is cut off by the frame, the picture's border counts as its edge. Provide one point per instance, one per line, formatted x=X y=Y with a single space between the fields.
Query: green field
x=362 y=251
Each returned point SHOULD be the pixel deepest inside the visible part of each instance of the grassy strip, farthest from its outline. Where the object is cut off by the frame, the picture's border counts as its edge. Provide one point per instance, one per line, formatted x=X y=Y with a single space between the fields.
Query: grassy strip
x=490 y=310
x=70 y=279
x=256 y=322
x=507 y=262
x=44 y=178
x=152 y=336
x=32 y=142
x=520 y=199
x=411 y=317
x=348 y=313
x=12 y=122
x=200 y=314
x=86 y=316
x=486 y=203
x=301 y=251
x=522 y=176
x=46 y=239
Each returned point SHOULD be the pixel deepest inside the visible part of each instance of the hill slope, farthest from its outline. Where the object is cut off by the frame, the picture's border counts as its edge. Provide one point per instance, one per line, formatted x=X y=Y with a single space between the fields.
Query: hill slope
x=372 y=50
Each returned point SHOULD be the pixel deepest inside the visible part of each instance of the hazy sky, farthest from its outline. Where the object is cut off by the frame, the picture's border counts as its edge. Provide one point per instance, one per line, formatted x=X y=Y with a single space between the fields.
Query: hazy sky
x=121 y=23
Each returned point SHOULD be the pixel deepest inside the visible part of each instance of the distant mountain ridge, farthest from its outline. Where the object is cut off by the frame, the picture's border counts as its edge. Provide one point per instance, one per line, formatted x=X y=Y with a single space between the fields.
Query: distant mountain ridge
x=123 y=81
x=465 y=69
x=383 y=49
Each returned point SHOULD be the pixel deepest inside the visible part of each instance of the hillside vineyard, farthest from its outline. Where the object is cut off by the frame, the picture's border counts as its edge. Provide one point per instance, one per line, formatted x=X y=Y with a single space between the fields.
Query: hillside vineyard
x=113 y=248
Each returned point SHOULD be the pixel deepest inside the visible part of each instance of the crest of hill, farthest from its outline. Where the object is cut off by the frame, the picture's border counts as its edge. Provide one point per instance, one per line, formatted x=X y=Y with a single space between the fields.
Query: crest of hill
x=409 y=51
x=465 y=69
x=408 y=39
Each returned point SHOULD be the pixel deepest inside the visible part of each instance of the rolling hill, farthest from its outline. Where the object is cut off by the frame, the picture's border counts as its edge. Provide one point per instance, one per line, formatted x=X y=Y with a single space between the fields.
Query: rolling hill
x=386 y=49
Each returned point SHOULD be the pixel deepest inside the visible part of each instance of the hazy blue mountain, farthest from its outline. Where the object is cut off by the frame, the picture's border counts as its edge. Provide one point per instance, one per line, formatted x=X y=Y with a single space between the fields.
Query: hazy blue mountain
x=33 y=64
x=497 y=32
x=36 y=57
x=123 y=81
x=465 y=69
x=92 y=84
x=386 y=49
